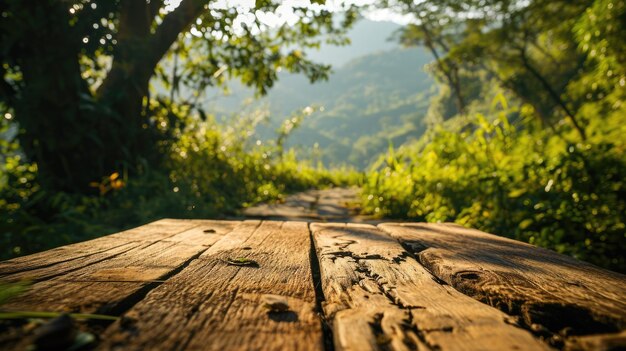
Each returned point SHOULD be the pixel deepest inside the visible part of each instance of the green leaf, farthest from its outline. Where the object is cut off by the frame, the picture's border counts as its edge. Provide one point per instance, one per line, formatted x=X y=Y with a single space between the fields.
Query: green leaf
x=517 y=193
x=525 y=223
x=9 y=291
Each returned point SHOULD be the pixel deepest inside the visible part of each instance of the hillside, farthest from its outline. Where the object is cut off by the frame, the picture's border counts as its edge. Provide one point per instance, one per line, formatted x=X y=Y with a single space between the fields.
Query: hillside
x=368 y=102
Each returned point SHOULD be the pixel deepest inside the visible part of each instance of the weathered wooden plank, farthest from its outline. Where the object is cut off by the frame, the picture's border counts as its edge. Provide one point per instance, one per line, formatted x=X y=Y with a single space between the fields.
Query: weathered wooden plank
x=106 y=285
x=300 y=205
x=377 y=297
x=554 y=295
x=213 y=305
x=333 y=204
x=315 y=205
x=109 y=249
x=113 y=285
x=57 y=261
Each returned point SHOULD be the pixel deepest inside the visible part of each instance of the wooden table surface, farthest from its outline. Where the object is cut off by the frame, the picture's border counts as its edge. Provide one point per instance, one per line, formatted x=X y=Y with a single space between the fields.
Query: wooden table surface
x=203 y=285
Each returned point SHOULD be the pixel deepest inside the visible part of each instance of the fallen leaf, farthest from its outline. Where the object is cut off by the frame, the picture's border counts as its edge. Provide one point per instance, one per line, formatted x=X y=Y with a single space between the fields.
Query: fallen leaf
x=241 y=261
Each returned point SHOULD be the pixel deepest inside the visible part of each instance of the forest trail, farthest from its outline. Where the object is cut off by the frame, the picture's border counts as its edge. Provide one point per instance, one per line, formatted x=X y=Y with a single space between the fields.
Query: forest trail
x=325 y=205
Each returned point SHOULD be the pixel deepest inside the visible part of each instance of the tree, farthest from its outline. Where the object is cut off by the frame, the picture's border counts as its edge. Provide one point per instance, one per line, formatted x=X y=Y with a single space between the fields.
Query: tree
x=76 y=74
x=532 y=53
x=437 y=32
x=600 y=34
x=529 y=47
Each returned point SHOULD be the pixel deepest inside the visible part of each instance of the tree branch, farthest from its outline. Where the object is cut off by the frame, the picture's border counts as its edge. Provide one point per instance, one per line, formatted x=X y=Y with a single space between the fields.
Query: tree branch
x=173 y=24
x=139 y=51
x=155 y=6
x=135 y=20
x=553 y=94
x=449 y=71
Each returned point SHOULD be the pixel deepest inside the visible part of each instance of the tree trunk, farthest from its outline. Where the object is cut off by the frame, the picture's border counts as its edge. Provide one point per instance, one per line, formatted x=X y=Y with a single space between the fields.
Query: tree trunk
x=53 y=107
x=75 y=137
x=136 y=57
x=511 y=88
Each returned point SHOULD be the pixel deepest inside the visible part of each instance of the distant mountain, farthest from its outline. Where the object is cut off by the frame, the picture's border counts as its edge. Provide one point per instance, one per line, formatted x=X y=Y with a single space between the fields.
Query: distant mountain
x=375 y=98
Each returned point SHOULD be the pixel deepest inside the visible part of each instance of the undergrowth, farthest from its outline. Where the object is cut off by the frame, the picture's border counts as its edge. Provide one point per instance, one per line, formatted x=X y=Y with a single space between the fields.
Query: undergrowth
x=514 y=179
x=212 y=170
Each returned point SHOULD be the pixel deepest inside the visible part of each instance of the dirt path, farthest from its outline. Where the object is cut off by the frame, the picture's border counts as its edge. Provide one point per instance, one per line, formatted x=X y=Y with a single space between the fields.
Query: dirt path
x=327 y=205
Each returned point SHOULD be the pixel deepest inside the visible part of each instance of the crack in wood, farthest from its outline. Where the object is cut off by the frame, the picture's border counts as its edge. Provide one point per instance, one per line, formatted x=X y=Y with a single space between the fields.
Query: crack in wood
x=7 y=276
x=421 y=333
x=381 y=292
x=382 y=339
x=365 y=274
x=383 y=286
x=44 y=277
x=327 y=333
x=550 y=321
x=27 y=269
x=537 y=307
x=128 y=302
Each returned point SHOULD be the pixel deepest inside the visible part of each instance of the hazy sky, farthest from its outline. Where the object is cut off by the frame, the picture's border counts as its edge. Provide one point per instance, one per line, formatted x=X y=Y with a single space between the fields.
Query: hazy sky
x=284 y=13
x=366 y=37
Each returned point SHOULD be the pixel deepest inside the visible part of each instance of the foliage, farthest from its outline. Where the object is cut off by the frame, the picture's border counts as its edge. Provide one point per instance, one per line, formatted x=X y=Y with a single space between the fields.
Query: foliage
x=9 y=291
x=75 y=75
x=549 y=170
x=515 y=180
x=211 y=170
x=528 y=47
x=88 y=148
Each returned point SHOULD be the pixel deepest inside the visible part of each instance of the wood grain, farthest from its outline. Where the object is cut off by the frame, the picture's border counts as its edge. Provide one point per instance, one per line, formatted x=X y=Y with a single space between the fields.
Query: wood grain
x=554 y=295
x=213 y=305
x=112 y=284
x=44 y=265
x=109 y=286
x=377 y=297
x=195 y=284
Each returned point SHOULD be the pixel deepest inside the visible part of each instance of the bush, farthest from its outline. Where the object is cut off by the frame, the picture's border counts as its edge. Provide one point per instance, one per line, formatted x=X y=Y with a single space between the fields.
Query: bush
x=211 y=171
x=517 y=181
